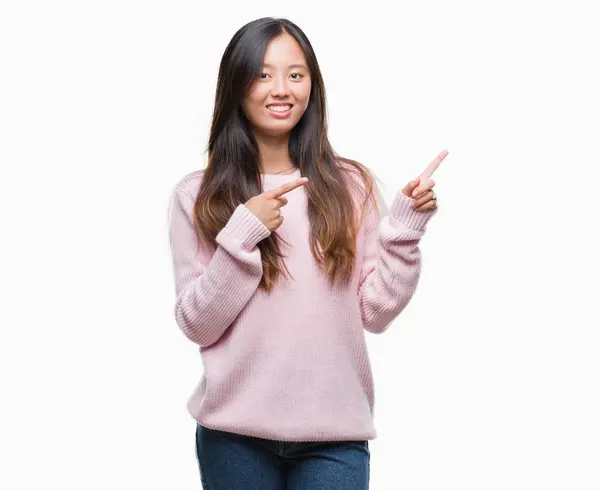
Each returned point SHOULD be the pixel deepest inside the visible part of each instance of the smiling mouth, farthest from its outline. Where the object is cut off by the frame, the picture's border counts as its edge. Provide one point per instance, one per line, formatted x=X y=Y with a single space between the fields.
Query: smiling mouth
x=279 y=107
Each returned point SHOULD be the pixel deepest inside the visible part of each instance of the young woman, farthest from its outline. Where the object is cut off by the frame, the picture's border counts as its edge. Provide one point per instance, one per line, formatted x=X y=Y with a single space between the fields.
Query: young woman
x=284 y=254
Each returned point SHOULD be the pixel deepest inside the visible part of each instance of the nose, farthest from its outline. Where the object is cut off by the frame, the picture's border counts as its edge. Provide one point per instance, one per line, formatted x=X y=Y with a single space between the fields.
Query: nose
x=280 y=87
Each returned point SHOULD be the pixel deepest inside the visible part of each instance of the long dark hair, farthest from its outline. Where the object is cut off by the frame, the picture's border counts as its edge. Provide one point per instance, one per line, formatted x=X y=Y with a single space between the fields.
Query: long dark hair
x=232 y=175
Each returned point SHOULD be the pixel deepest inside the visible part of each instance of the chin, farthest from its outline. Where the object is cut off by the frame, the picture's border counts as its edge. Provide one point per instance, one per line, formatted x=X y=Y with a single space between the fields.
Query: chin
x=277 y=129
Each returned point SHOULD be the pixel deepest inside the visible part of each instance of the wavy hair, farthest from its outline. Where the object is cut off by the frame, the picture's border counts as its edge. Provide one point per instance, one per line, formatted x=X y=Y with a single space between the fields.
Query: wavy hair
x=232 y=175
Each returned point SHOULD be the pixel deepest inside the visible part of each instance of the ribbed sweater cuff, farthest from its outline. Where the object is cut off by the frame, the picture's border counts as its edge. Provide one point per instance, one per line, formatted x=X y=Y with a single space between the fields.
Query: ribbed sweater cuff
x=245 y=227
x=402 y=210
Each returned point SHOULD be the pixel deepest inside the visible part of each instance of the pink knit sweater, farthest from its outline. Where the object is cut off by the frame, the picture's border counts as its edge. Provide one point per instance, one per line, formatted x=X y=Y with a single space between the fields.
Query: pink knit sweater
x=291 y=365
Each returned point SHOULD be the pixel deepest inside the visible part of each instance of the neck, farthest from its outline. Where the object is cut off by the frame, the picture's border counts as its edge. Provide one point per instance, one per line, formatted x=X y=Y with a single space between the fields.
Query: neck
x=274 y=153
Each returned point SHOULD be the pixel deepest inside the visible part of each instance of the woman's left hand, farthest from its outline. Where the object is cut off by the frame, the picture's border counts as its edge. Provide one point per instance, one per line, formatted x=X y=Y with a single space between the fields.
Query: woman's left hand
x=421 y=189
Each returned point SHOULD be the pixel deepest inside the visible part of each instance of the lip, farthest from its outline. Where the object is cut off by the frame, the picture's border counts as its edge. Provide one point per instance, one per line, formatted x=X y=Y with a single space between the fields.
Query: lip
x=280 y=115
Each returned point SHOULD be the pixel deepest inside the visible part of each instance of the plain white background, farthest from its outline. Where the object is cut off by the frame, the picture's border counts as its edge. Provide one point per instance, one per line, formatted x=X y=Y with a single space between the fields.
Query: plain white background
x=488 y=379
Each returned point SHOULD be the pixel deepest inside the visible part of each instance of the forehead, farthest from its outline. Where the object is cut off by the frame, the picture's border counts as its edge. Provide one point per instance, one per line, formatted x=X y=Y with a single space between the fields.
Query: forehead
x=284 y=50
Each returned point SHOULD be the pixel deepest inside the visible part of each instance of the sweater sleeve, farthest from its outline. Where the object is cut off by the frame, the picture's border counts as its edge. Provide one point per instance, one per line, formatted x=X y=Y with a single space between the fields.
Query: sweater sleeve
x=212 y=288
x=392 y=260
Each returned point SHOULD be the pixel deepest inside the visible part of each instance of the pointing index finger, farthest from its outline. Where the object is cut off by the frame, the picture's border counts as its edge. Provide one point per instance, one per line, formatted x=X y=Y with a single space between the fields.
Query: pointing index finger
x=434 y=165
x=287 y=187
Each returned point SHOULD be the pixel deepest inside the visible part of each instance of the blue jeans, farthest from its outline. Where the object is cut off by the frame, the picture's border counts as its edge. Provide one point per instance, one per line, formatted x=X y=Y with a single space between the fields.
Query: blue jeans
x=229 y=461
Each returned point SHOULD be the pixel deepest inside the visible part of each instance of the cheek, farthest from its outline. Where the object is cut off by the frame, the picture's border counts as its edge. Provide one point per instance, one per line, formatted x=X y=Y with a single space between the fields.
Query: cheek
x=303 y=97
x=253 y=107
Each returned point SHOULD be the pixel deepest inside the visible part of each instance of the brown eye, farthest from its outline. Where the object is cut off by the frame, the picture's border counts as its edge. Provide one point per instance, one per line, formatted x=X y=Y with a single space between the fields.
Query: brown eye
x=299 y=75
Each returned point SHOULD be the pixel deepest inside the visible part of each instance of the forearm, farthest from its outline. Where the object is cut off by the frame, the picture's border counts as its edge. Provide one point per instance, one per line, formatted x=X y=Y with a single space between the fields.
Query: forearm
x=393 y=266
x=213 y=288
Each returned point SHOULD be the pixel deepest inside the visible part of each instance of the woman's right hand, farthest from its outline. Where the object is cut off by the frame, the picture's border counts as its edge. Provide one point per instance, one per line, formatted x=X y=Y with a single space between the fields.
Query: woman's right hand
x=266 y=206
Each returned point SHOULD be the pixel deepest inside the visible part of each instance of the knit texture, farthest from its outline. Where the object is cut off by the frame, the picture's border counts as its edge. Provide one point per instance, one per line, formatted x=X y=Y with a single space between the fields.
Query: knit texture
x=292 y=364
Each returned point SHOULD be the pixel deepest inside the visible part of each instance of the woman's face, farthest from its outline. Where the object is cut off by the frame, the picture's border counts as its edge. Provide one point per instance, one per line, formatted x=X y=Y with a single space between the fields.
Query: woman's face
x=285 y=79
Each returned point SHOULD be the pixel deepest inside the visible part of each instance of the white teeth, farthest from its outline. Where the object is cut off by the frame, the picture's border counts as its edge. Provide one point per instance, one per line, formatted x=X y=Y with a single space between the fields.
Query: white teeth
x=279 y=108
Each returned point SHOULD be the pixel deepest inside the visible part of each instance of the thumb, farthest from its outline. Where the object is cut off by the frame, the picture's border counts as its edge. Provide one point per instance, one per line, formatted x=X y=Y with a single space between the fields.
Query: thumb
x=410 y=187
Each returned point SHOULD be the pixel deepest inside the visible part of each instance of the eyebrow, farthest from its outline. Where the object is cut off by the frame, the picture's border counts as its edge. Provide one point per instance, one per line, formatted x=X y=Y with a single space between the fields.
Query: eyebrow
x=296 y=65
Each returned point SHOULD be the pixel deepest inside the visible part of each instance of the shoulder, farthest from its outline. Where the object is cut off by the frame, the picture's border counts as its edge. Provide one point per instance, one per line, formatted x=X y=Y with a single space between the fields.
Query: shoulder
x=359 y=176
x=189 y=184
x=350 y=165
x=183 y=194
x=364 y=185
